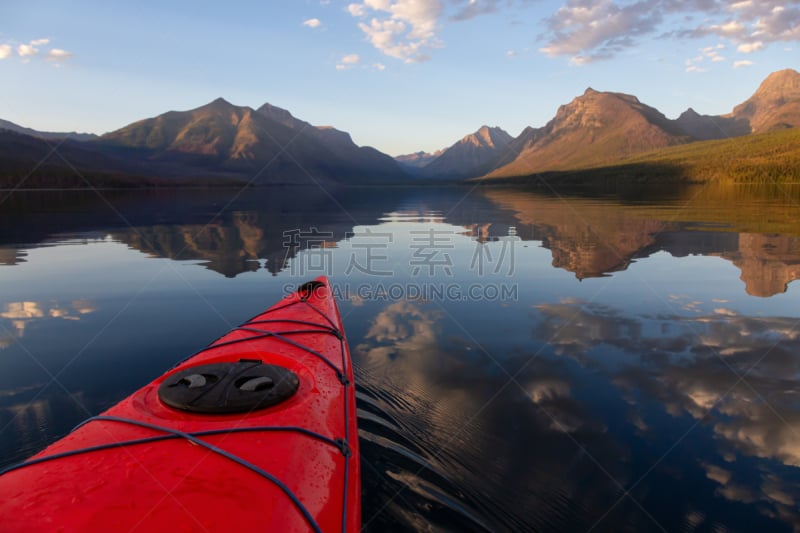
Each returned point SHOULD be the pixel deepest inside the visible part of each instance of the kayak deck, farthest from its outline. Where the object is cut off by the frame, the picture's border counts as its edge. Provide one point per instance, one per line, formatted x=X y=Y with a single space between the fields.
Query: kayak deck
x=145 y=465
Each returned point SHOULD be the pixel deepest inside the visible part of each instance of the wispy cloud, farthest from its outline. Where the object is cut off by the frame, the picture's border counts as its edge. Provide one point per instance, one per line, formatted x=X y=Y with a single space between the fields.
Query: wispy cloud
x=589 y=31
x=351 y=59
x=348 y=61
x=470 y=9
x=583 y=30
x=695 y=68
x=312 y=23
x=747 y=48
x=475 y=8
x=596 y=30
x=26 y=50
x=742 y=63
x=709 y=53
x=58 y=55
x=31 y=49
x=357 y=10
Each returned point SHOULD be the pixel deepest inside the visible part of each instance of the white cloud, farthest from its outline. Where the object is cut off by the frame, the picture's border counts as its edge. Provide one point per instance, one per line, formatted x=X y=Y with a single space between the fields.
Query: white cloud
x=348 y=61
x=747 y=48
x=379 y=66
x=742 y=5
x=710 y=53
x=742 y=63
x=351 y=59
x=731 y=27
x=378 y=4
x=32 y=48
x=580 y=60
x=58 y=55
x=402 y=29
x=357 y=10
x=28 y=50
x=312 y=23
x=25 y=50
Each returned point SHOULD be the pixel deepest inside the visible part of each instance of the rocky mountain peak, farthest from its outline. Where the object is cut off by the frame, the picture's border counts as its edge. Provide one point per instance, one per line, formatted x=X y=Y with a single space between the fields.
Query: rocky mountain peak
x=780 y=84
x=490 y=137
x=219 y=103
x=471 y=156
x=774 y=105
x=278 y=114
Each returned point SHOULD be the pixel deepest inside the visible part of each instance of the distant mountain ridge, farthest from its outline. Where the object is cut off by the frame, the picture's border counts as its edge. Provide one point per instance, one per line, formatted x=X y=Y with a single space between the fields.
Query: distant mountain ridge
x=472 y=156
x=10 y=126
x=710 y=127
x=417 y=159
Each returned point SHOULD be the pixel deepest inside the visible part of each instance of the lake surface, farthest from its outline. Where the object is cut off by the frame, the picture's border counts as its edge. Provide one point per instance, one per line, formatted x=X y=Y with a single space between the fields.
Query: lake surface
x=524 y=361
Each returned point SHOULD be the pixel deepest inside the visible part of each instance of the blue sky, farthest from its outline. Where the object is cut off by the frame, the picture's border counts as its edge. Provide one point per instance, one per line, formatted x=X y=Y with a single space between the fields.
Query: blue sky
x=400 y=75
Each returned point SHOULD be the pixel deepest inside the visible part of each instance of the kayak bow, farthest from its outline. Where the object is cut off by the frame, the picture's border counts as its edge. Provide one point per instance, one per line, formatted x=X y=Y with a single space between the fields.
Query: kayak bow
x=255 y=432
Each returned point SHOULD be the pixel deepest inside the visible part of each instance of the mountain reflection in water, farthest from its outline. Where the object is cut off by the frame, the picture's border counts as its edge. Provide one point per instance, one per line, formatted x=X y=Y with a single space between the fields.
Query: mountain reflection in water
x=643 y=374
x=588 y=237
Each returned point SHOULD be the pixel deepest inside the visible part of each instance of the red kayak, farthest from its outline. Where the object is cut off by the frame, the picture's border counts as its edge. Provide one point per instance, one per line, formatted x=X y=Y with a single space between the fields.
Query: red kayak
x=257 y=432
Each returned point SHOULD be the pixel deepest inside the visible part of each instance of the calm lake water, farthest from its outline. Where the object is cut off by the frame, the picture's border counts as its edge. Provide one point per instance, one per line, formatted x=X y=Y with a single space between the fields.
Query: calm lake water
x=525 y=361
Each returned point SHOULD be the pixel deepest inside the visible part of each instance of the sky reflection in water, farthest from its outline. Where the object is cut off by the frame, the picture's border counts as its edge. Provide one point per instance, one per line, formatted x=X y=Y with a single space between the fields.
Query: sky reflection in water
x=640 y=371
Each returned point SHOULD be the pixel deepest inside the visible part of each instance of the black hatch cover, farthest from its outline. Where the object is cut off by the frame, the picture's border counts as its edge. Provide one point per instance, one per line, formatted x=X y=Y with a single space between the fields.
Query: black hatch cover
x=225 y=388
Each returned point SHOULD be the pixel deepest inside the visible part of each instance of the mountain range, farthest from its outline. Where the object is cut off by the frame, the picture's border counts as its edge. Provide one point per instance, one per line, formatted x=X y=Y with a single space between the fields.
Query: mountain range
x=267 y=145
x=237 y=144
x=218 y=141
x=600 y=128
